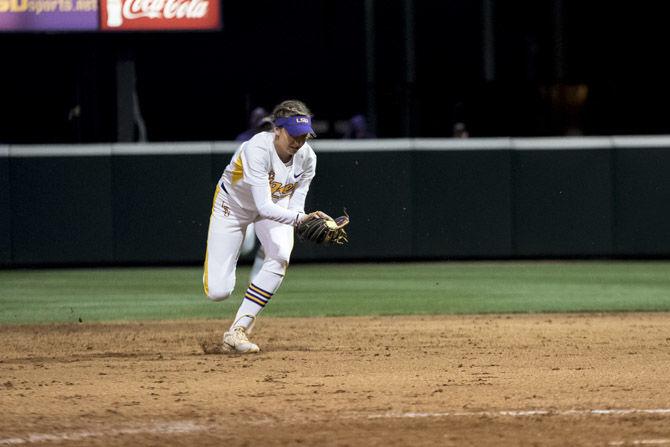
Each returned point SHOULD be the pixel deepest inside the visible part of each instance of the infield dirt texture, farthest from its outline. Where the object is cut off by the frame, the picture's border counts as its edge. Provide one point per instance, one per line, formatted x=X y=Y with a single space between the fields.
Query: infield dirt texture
x=449 y=380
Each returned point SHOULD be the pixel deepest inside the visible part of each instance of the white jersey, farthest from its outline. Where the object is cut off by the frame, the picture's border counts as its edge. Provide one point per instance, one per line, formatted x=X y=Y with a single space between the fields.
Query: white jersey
x=256 y=163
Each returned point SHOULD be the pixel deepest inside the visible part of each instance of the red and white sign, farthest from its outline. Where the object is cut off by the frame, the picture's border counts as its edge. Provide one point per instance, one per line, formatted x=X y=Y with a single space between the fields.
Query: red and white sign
x=128 y=15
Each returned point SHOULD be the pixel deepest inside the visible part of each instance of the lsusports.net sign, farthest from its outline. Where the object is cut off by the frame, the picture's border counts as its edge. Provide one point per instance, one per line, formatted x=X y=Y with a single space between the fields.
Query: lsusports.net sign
x=122 y=15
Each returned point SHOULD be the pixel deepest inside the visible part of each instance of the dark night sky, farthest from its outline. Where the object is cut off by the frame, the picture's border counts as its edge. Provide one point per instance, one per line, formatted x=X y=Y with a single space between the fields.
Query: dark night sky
x=200 y=86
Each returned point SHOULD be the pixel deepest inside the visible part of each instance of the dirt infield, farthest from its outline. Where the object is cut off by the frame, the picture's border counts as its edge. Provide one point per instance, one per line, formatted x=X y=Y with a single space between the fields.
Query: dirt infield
x=482 y=380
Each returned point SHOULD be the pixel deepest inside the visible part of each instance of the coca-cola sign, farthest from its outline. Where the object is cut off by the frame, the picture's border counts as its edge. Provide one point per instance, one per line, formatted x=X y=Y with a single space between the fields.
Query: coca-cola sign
x=126 y=15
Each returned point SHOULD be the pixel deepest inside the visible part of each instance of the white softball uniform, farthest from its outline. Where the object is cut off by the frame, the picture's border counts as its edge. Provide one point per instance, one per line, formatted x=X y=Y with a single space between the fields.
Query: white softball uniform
x=257 y=187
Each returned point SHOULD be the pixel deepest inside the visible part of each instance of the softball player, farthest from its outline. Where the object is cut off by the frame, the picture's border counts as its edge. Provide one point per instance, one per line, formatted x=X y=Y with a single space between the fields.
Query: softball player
x=265 y=183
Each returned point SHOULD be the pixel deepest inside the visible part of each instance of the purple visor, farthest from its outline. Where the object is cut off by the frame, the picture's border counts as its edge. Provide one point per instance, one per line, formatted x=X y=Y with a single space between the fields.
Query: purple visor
x=296 y=125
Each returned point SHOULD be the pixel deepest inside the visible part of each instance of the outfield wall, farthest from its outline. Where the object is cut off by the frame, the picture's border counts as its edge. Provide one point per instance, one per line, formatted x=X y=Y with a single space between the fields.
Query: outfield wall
x=408 y=199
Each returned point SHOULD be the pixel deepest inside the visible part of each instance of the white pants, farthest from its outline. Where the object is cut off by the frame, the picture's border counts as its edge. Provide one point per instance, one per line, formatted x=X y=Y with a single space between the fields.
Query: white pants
x=227 y=227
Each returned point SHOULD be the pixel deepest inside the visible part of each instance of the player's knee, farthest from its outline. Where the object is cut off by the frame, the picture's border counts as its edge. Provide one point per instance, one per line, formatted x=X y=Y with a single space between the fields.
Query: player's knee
x=276 y=265
x=218 y=290
x=216 y=295
x=218 y=287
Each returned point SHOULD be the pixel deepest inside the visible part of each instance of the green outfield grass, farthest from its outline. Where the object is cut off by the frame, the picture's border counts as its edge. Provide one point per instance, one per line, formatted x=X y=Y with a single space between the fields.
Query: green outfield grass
x=112 y=294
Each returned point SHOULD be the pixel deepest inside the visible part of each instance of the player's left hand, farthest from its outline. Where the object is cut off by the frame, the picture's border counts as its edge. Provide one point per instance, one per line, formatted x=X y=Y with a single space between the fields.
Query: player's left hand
x=320 y=228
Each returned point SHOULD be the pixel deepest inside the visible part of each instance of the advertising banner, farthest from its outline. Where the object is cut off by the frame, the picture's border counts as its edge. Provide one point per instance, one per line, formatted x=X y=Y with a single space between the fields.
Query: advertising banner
x=133 y=15
x=48 y=15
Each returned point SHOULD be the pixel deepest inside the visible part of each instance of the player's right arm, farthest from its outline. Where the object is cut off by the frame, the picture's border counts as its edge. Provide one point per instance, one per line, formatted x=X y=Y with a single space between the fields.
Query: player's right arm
x=270 y=210
x=256 y=165
x=297 y=201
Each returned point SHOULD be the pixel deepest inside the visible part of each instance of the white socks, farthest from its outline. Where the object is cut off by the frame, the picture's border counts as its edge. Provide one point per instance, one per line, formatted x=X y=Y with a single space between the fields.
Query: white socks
x=257 y=295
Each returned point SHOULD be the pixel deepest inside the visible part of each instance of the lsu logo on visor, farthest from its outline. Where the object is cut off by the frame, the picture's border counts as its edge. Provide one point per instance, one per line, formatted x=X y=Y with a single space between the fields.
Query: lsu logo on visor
x=302 y=119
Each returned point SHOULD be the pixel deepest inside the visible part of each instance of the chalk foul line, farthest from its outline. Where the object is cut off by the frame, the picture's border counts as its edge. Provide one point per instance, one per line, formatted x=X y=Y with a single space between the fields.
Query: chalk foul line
x=185 y=427
x=641 y=442
x=527 y=413
x=177 y=427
